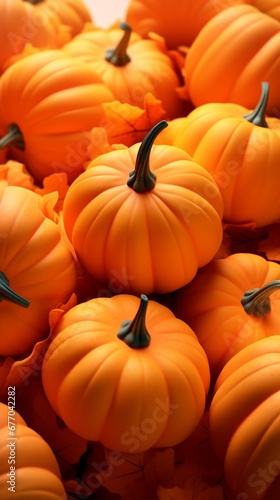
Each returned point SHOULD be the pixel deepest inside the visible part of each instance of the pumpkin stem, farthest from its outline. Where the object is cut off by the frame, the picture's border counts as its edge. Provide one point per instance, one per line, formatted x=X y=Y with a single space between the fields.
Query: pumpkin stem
x=256 y=301
x=142 y=179
x=6 y=293
x=119 y=56
x=134 y=333
x=13 y=137
x=257 y=116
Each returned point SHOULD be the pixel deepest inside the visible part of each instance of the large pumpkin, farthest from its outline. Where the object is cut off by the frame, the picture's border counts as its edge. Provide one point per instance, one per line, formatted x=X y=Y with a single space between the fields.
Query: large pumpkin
x=240 y=147
x=130 y=376
x=179 y=23
x=244 y=422
x=49 y=102
x=230 y=57
x=140 y=217
x=130 y=66
x=28 y=466
x=231 y=303
x=37 y=270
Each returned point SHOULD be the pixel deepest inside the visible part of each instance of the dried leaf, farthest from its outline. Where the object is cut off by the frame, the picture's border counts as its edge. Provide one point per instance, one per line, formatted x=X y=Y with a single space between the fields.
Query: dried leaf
x=14 y=173
x=124 y=124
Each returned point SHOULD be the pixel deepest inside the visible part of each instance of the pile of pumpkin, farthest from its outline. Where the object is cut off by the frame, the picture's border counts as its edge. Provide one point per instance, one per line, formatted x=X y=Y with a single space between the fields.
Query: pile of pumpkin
x=140 y=251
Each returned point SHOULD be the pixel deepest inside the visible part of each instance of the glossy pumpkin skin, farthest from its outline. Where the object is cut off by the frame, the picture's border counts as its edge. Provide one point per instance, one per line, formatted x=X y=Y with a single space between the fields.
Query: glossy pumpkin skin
x=72 y=13
x=218 y=69
x=139 y=67
x=38 y=265
x=37 y=473
x=244 y=420
x=55 y=100
x=179 y=24
x=104 y=389
x=211 y=305
x=242 y=156
x=144 y=242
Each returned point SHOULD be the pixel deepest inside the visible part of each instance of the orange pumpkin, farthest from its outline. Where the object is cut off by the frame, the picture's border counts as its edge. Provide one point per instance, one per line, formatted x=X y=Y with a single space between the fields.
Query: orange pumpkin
x=28 y=466
x=21 y=25
x=130 y=376
x=71 y=13
x=37 y=271
x=140 y=216
x=178 y=23
x=240 y=148
x=54 y=100
x=130 y=66
x=244 y=425
x=229 y=304
x=270 y=7
x=230 y=57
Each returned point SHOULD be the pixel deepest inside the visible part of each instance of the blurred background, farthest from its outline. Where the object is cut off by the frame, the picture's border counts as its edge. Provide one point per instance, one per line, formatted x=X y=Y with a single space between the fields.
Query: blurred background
x=106 y=12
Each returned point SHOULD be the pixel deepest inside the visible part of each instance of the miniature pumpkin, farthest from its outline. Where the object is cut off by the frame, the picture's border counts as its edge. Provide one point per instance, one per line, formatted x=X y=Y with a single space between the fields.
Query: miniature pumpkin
x=20 y=25
x=115 y=367
x=54 y=100
x=218 y=69
x=231 y=303
x=130 y=66
x=37 y=271
x=240 y=148
x=28 y=466
x=140 y=217
x=244 y=420
x=178 y=23
x=71 y=13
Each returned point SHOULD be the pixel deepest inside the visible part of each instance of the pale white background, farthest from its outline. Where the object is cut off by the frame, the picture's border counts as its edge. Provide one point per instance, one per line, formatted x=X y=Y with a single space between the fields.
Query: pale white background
x=106 y=12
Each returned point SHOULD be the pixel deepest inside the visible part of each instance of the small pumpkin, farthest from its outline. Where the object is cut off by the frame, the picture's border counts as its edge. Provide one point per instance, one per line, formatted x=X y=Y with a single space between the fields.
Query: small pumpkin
x=140 y=216
x=244 y=424
x=129 y=375
x=218 y=69
x=130 y=66
x=231 y=303
x=28 y=466
x=71 y=13
x=20 y=25
x=37 y=271
x=240 y=147
x=49 y=103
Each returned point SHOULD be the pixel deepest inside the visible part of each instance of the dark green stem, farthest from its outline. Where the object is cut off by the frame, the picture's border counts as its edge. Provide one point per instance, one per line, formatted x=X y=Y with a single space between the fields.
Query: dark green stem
x=6 y=293
x=257 y=116
x=134 y=333
x=142 y=179
x=119 y=56
x=13 y=137
x=256 y=301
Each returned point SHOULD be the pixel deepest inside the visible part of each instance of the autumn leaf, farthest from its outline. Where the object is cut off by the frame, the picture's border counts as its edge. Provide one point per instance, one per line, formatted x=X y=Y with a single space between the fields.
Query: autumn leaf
x=14 y=173
x=124 y=125
x=55 y=183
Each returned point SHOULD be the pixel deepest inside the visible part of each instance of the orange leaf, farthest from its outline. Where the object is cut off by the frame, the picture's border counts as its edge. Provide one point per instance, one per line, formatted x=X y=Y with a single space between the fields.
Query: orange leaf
x=125 y=124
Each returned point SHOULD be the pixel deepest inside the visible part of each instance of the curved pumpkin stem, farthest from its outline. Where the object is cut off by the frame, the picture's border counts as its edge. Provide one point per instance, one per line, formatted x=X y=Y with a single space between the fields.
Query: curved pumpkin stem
x=134 y=333
x=6 y=293
x=119 y=56
x=141 y=179
x=13 y=137
x=257 y=116
x=256 y=301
